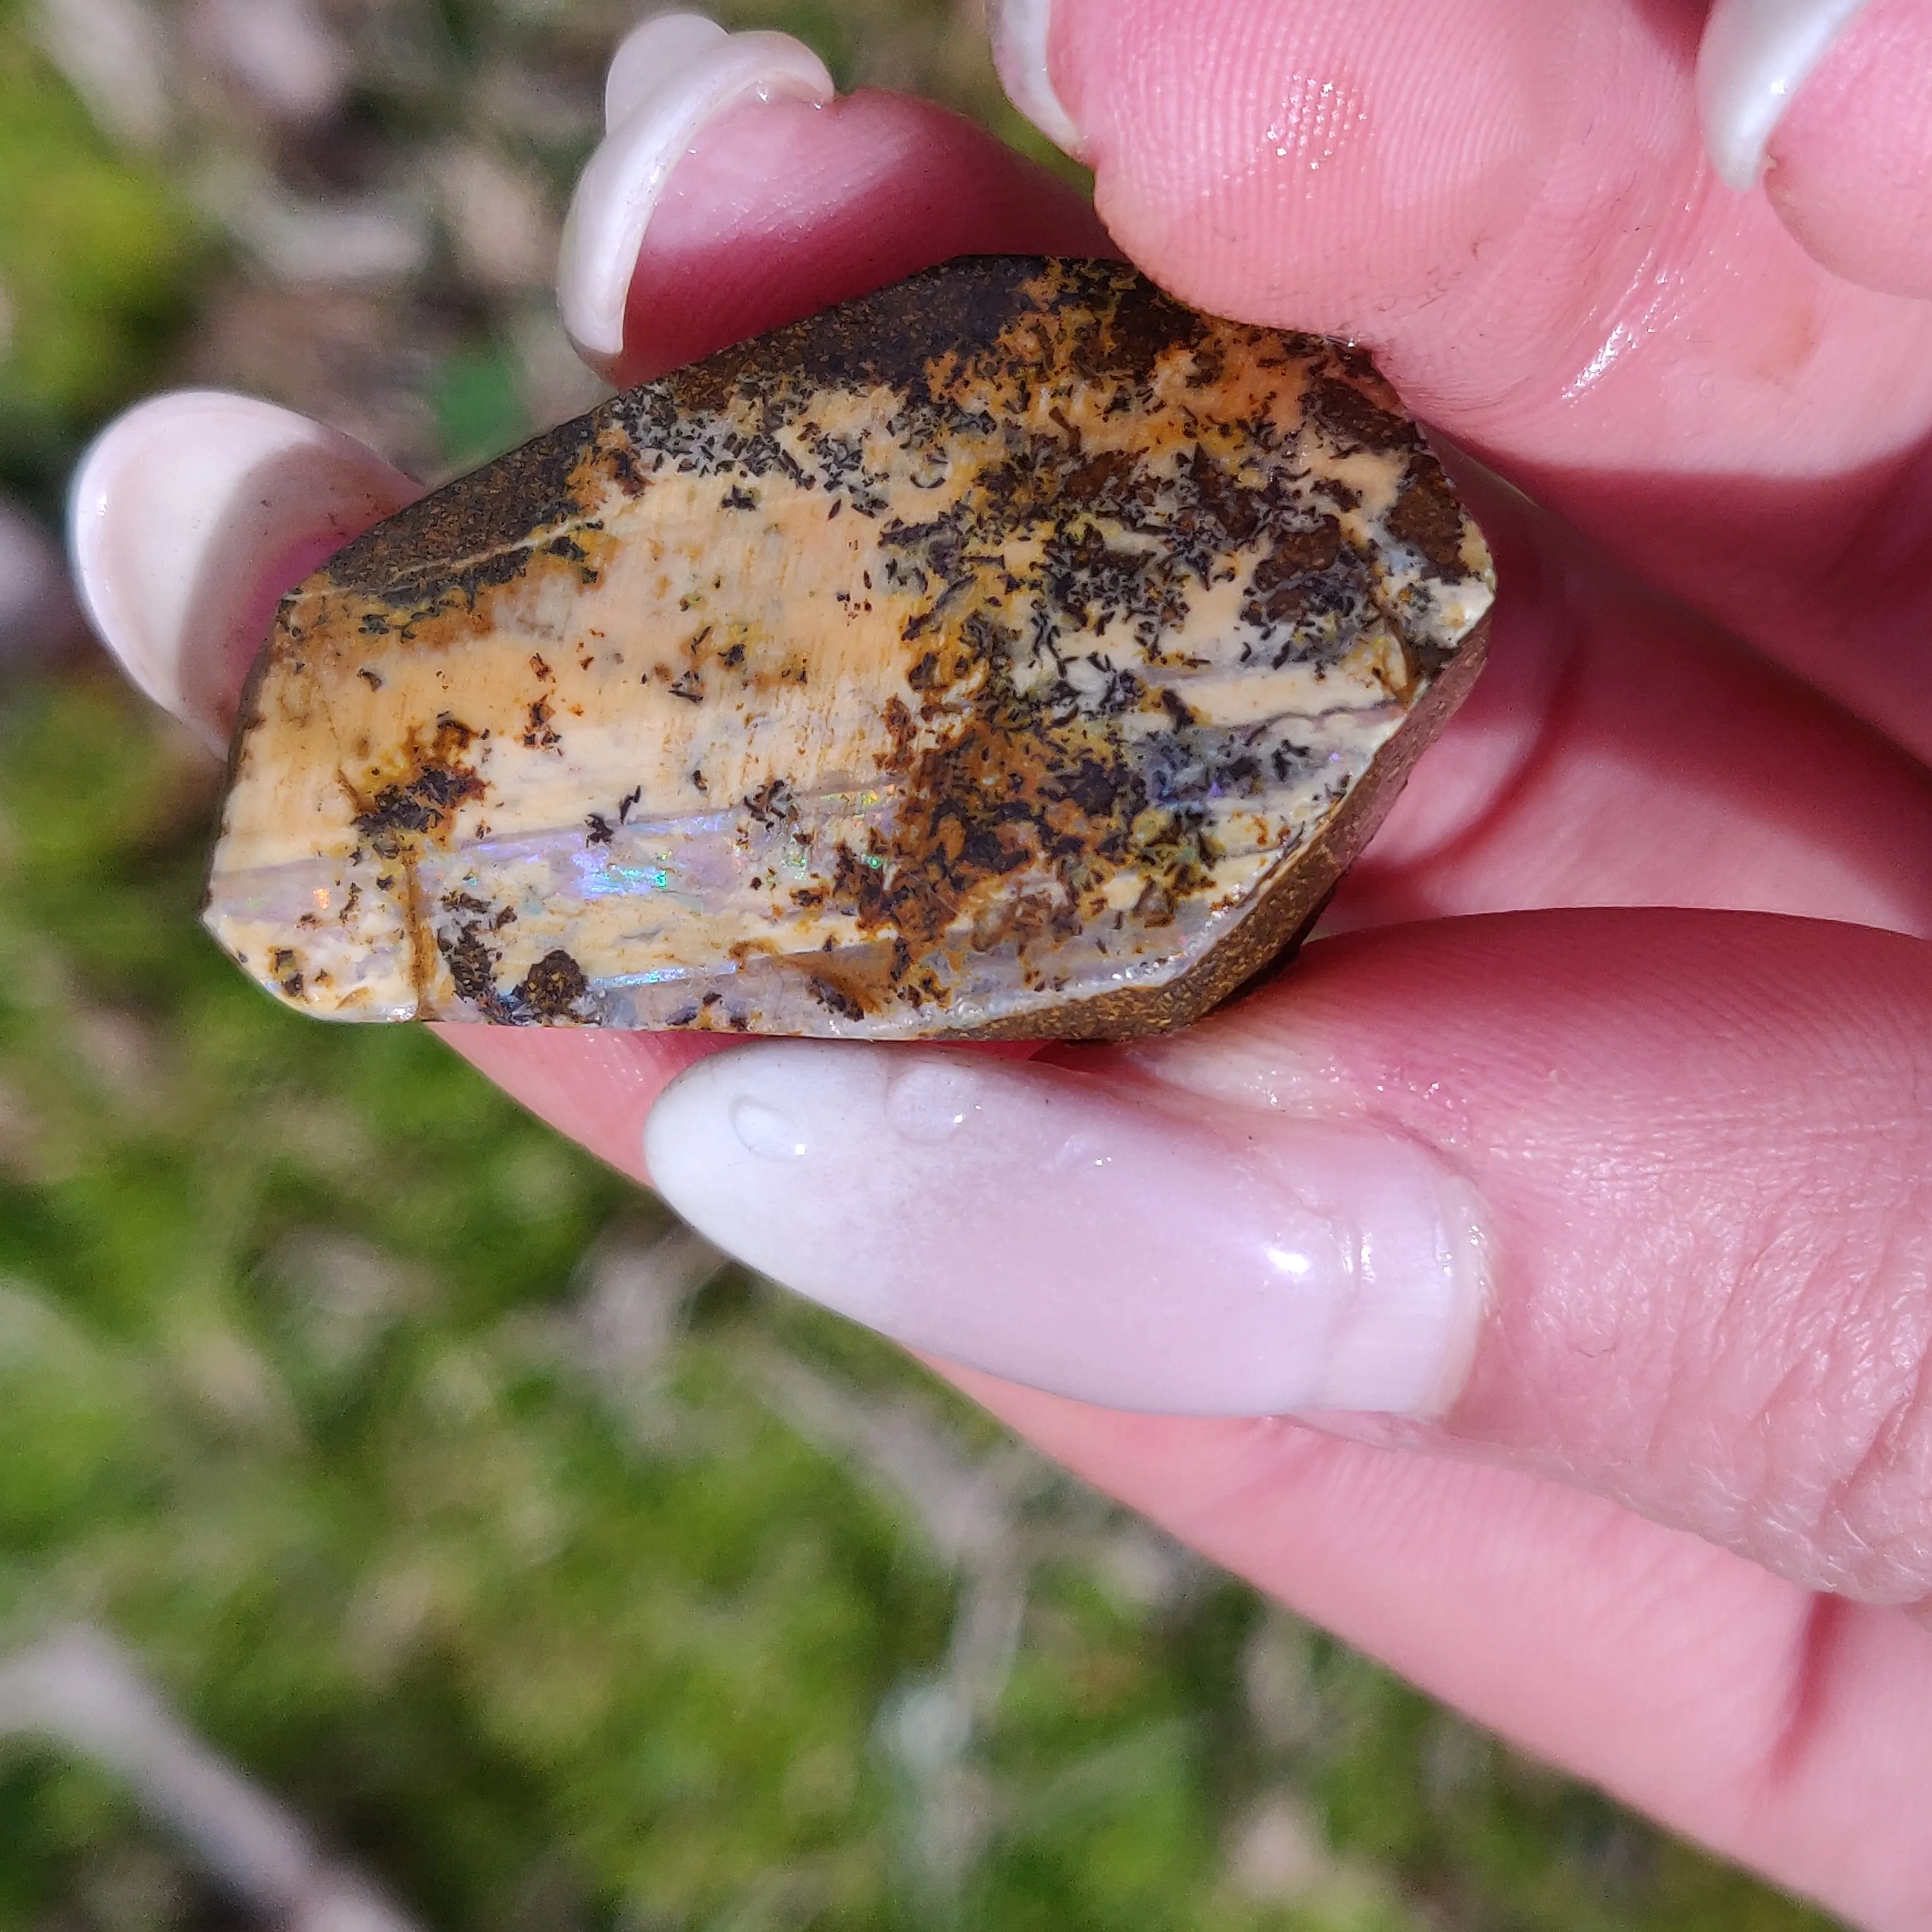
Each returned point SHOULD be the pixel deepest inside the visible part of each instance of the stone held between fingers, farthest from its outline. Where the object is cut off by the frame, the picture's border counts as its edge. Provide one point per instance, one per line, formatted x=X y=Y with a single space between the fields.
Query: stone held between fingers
x=1013 y=653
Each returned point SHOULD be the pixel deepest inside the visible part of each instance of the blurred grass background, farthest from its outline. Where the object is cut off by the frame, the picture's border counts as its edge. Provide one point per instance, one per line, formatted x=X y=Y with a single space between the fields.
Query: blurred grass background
x=558 y=1576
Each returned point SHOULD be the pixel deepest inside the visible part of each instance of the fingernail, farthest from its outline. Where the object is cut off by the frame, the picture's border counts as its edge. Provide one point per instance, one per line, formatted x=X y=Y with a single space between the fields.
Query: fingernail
x=668 y=79
x=1020 y=31
x=1755 y=55
x=188 y=518
x=1035 y=1223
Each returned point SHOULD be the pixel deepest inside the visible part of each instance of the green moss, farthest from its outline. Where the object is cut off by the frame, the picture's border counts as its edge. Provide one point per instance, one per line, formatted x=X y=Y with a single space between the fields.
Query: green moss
x=97 y=259
x=474 y=397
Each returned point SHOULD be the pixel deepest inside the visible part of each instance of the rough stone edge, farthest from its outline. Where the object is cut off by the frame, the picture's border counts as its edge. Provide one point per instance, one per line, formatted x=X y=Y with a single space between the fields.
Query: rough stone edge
x=1266 y=938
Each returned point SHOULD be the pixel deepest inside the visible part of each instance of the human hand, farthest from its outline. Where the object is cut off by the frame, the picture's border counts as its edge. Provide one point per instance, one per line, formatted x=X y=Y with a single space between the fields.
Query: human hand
x=1608 y=1228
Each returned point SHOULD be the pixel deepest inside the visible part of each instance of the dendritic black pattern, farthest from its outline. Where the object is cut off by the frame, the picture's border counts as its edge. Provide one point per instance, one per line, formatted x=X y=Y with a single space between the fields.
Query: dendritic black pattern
x=990 y=654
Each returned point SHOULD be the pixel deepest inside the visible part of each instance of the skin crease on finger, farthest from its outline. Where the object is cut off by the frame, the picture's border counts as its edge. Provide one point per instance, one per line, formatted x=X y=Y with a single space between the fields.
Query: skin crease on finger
x=1508 y=202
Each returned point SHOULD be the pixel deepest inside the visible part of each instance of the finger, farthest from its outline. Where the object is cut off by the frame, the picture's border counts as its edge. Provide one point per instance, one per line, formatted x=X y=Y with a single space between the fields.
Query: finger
x=1544 y=264
x=1618 y=750
x=189 y=517
x=732 y=193
x=1635 y=1198
x=1835 y=93
x=1799 y=1728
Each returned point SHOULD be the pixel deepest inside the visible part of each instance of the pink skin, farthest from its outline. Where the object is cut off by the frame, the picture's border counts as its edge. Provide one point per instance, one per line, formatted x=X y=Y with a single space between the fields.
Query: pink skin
x=1850 y=160
x=788 y=207
x=1702 y=1135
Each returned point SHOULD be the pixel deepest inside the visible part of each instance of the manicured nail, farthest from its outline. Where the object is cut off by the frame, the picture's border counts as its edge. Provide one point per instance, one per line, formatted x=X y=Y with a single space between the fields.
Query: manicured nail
x=669 y=78
x=189 y=517
x=1755 y=56
x=1020 y=31
x=1038 y=1224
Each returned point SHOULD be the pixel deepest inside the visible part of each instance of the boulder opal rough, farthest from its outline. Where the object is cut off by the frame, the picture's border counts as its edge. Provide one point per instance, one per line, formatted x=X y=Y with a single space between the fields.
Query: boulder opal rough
x=1013 y=653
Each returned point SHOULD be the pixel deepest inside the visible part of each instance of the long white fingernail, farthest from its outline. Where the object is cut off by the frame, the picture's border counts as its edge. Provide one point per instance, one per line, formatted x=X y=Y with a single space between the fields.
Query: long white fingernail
x=1031 y=1221
x=669 y=78
x=1755 y=56
x=1020 y=31
x=188 y=518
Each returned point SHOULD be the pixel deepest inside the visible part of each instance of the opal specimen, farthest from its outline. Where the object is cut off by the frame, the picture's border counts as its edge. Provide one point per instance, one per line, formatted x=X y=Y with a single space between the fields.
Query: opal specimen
x=1011 y=653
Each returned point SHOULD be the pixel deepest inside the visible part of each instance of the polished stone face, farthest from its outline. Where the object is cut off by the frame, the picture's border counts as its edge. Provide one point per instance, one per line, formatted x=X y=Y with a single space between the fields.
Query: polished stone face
x=1011 y=653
